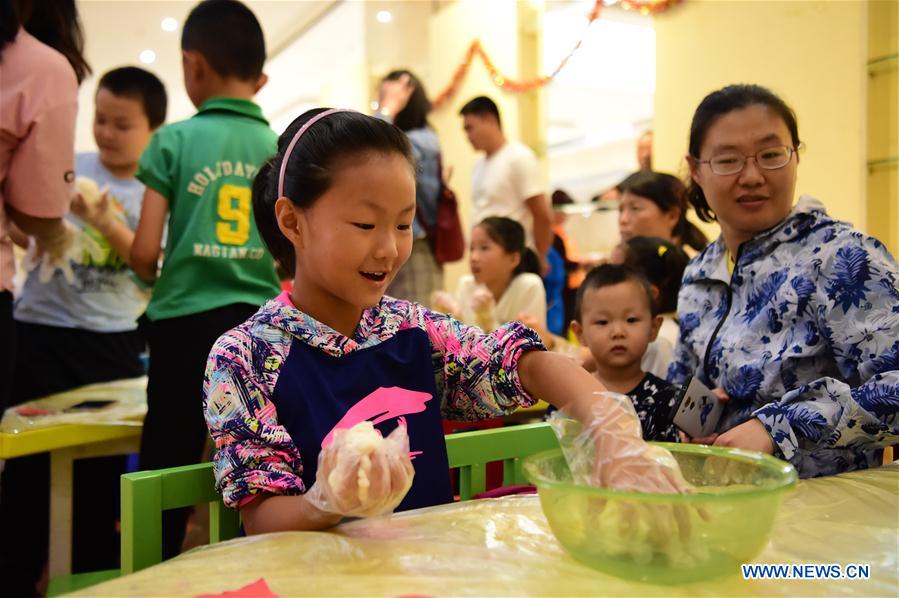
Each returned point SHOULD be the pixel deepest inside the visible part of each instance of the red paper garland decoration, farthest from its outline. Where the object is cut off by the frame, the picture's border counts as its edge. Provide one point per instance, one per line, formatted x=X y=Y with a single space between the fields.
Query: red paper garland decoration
x=515 y=86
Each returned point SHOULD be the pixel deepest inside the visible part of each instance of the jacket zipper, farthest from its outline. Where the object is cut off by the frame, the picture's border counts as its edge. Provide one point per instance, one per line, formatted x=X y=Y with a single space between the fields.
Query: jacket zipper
x=730 y=297
x=708 y=348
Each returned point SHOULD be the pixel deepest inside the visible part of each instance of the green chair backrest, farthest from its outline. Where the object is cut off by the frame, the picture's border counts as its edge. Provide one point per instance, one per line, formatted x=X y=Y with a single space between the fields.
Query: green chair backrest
x=470 y=452
x=146 y=494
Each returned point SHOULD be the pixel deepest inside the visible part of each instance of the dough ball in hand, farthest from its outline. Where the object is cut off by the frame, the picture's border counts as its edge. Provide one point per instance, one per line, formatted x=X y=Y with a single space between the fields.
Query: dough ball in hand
x=88 y=189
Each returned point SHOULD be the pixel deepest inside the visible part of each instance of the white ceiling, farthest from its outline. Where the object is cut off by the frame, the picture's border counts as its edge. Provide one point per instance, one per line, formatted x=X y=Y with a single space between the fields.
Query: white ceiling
x=116 y=31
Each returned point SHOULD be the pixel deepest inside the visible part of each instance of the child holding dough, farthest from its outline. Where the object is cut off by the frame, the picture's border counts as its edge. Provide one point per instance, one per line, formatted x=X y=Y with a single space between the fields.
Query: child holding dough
x=504 y=283
x=335 y=206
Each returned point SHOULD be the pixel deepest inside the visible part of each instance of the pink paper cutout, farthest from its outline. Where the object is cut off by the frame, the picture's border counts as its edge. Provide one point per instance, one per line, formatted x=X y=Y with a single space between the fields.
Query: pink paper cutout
x=257 y=589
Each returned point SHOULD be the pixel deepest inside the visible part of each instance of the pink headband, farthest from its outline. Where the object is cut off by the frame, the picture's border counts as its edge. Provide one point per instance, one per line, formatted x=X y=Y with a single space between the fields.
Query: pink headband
x=296 y=138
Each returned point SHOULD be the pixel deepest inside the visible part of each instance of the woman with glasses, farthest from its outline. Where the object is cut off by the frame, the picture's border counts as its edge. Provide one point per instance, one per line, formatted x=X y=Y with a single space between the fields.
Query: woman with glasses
x=791 y=316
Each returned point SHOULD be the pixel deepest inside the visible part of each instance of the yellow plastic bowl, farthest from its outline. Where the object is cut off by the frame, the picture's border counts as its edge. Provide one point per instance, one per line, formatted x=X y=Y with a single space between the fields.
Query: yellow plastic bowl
x=665 y=538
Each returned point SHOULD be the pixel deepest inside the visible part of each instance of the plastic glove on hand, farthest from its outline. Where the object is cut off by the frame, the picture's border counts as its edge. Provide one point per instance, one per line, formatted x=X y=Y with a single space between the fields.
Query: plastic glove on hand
x=53 y=253
x=58 y=255
x=623 y=460
x=444 y=302
x=361 y=474
x=610 y=452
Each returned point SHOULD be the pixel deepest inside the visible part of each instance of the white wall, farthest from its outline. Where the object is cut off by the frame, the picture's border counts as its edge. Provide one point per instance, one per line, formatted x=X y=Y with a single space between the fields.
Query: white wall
x=324 y=67
x=812 y=54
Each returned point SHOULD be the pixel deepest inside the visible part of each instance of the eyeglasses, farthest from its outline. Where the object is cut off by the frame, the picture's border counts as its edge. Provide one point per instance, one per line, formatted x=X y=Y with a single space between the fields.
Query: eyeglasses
x=770 y=158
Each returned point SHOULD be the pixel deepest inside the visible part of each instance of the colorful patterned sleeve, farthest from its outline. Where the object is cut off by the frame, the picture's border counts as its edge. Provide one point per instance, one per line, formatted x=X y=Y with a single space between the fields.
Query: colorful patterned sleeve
x=254 y=454
x=477 y=371
x=830 y=425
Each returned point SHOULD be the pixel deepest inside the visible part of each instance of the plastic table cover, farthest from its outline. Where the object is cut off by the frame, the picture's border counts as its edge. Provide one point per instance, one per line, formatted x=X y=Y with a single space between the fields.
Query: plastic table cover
x=128 y=407
x=504 y=547
x=49 y=423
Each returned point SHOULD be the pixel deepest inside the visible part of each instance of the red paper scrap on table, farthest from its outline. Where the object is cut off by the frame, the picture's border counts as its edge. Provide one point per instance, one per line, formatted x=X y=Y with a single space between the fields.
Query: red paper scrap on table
x=257 y=589
x=33 y=411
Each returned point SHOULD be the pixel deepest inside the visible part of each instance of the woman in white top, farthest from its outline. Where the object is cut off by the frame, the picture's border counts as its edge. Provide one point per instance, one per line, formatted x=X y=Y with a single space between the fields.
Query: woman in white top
x=504 y=283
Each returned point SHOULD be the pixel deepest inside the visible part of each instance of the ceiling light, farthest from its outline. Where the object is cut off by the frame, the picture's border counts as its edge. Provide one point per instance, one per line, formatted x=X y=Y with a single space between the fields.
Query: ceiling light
x=384 y=16
x=169 y=24
x=148 y=56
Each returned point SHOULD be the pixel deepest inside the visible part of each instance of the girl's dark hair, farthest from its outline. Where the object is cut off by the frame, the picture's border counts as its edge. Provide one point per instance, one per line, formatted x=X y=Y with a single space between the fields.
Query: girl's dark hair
x=53 y=22
x=668 y=193
x=509 y=235
x=415 y=114
x=608 y=275
x=719 y=103
x=662 y=263
x=323 y=149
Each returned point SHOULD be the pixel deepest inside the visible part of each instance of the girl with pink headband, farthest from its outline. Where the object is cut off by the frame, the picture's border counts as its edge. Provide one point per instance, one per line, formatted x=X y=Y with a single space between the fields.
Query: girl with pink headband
x=335 y=206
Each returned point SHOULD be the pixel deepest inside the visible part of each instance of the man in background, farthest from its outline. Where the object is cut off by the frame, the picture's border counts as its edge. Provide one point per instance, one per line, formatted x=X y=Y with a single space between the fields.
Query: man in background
x=506 y=179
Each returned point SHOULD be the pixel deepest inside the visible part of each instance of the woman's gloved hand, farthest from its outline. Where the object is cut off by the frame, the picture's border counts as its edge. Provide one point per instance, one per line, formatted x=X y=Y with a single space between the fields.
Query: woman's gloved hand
x=57 y=251
x=362 y=474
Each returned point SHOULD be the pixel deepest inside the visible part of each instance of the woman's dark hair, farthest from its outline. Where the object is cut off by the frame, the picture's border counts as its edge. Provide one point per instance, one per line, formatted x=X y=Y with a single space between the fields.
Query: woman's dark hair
x=662 y=263
x=323 y=149
x=53 y=22
x=561 y=198
x=608 y=275
x=719 y=103
x=509 y=235
x=668 y=193
x=415 y=114
x=9 y=23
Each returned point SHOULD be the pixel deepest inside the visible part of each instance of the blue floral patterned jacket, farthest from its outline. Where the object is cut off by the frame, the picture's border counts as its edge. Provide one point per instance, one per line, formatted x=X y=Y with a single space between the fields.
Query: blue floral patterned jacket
x=804 y=335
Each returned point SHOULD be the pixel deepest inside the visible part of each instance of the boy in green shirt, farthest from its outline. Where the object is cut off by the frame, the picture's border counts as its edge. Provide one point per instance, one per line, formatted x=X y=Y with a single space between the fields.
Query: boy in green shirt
x=216 y=270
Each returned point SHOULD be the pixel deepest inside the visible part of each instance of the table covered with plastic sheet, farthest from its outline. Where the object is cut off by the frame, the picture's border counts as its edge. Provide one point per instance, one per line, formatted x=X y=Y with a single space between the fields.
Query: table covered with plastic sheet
x=97 y=420
x=504 y=547
x=84 y=415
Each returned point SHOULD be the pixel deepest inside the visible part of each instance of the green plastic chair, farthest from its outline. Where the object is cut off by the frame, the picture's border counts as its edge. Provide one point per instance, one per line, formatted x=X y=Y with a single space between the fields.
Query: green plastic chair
x=470 y=452
x=146 y=494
